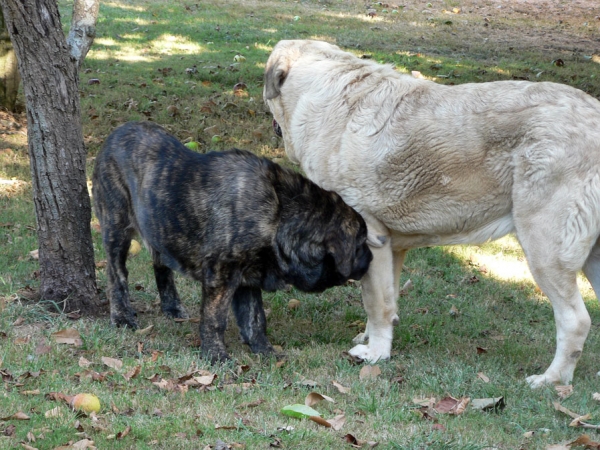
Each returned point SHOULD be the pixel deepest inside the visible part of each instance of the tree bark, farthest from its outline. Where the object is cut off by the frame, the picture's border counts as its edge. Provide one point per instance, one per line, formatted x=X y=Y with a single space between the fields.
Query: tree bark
x=9 y=73
x=57 y=154
x=83 y=28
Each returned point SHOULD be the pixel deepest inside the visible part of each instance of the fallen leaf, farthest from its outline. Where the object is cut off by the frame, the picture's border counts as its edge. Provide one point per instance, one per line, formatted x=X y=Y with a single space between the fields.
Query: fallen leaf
x=561 y=408
x=54 y=412
x=84 y=362
x=144 y=331
x=113 y=363
x=451 y=405
x=428 y=402
x=369 y=372
x=299 y=411
x=34 y=392
x=320 y=421
x=16 y=416
x=253 y=404
x=83 y=444
x=28 y=447
x=580 y=421
x=585 y=440
x=337 y=422
x=132 y=373
x=294 y=303
x=484 y=404
x=313 y=398
x=68 y=336
x=564 y=391
x=483 y=377
x=42 y=349
x=340 y=388
x=122 y=434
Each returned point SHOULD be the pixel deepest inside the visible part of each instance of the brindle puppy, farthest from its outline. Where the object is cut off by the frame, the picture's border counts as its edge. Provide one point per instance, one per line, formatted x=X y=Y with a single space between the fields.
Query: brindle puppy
x=231 y=220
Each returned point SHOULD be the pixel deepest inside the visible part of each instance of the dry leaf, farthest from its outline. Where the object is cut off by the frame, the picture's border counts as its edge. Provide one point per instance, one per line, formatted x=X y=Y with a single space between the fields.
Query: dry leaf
x=34 y=392
x=16 y=416
x=369 y=372
x=320 y=421
x=596 y=396
x=564 y=391
x=84 y=362
x=122 y=434
x=579 y=421
x=313 y=398
x=483 y=377
x=340 y=388
x=337 y=422
x=68 y=336
x=132 y=373
x=428 y=402
x=28 y=447
x=144 y=331
x=83 y=444
x=113 y=363
x=485 y=404
x=561 y=408
x=251 y=404
x=54 y=412
x=293 y=303
x=585 y=440
x=451 y=405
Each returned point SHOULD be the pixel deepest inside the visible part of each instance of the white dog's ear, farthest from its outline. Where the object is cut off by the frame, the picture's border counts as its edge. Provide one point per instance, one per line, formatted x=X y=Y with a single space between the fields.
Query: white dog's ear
x=274 y=78
x=373 y=240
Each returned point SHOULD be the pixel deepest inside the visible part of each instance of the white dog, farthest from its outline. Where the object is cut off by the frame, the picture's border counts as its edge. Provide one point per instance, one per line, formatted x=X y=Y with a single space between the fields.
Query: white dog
x=427 y=164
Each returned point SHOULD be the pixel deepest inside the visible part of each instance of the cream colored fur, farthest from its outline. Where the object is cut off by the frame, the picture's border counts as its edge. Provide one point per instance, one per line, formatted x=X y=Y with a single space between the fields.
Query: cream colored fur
x=427 y=164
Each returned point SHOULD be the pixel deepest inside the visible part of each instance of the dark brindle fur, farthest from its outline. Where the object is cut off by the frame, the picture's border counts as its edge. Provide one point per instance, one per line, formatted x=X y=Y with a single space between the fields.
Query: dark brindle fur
x=231 y=220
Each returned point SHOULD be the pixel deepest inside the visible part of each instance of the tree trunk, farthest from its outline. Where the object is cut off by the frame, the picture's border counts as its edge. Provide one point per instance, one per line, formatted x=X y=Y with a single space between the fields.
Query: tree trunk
x=57 y=154
x=83 y=28
x=9 y=73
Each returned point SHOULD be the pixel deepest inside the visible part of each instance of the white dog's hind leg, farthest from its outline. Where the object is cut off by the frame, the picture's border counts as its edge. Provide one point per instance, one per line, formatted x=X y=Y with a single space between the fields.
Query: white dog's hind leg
x=572 y=326
x=555 y=271
x=591 y=269
x=378 y=294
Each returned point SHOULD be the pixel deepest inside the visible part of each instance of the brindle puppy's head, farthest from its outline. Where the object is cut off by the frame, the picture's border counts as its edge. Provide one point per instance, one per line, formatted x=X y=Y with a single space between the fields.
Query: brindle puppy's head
x=321 y=241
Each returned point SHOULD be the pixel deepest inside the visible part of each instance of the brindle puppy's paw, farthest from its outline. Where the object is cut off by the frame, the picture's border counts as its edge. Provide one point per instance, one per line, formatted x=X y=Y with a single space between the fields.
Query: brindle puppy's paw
x=175 y=312
x=262 y=348
x=124 y=319
x=214 y=353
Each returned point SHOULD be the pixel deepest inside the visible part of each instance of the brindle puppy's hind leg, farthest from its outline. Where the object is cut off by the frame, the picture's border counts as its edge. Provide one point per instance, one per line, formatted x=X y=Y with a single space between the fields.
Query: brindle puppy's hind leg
x=170 y=303
x=117 y=240
x=250 y=317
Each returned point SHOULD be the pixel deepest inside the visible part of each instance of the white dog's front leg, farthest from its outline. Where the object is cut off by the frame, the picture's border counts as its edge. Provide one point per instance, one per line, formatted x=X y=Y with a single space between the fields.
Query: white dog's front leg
x=379 y=300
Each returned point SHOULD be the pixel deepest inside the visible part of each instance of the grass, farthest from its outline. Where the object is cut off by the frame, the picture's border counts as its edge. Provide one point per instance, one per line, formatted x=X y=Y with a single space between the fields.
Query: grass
x=471 y=310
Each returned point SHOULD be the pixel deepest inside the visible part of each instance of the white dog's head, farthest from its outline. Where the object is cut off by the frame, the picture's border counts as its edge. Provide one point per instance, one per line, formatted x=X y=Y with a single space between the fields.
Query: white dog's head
x=285 y=55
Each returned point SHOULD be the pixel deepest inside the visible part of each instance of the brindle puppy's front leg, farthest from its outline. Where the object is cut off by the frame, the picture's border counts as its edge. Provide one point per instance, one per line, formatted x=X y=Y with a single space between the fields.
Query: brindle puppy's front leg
x=217 y=295
x=170 y=303
x=250 y=317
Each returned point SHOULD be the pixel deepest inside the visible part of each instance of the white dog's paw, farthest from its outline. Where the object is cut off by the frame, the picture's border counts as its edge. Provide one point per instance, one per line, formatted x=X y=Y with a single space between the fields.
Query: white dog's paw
x=536 y=381
x=361 y=338
x=368 y=353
